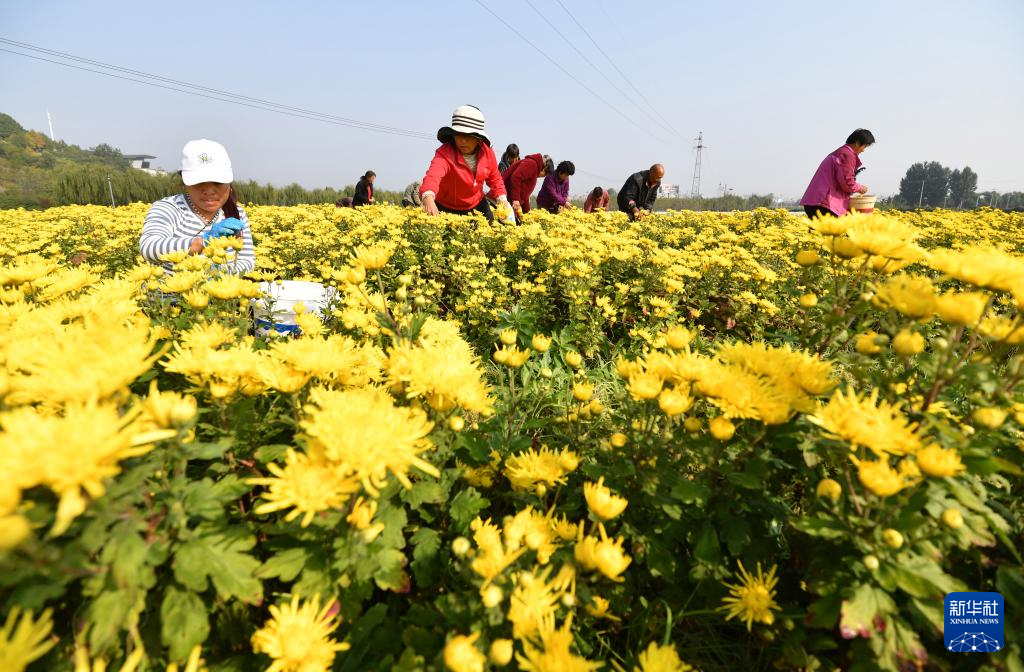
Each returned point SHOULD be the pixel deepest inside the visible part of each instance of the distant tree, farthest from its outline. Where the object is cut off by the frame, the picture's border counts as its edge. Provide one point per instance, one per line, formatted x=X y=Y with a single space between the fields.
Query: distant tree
x=110 y=155
x=35 y=141
x=925 y=185
x=963 y=186
x=8 y=126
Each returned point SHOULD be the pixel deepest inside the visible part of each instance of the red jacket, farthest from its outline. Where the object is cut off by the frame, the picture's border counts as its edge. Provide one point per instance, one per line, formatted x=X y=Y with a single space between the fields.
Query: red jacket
x=454 y=184
x=521 y=179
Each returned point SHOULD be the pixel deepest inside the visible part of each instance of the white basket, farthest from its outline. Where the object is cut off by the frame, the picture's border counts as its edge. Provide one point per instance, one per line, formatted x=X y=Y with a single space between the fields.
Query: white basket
x=862 y=203
x=274 y=311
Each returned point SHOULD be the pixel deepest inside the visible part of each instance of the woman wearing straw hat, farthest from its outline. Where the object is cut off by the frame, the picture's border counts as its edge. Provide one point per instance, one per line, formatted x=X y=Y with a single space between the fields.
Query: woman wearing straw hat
x=206 y=210
x=461 y=166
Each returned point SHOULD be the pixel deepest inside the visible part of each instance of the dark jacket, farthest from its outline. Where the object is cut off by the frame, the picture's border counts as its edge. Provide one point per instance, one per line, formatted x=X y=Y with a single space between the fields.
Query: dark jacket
x=636 y=192
x=364 y=190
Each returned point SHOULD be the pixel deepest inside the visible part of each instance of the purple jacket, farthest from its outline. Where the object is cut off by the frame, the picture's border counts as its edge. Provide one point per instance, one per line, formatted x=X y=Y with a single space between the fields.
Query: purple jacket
x=834 y=181
x=553 y=193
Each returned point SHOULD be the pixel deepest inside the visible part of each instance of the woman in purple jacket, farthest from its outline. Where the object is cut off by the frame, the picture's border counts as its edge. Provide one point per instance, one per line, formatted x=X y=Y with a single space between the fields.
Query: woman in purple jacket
x=554 y=193
x=836 y=178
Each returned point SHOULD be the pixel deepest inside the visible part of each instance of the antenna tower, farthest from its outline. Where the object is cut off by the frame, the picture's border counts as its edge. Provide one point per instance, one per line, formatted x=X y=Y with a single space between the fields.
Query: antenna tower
x=695 y=187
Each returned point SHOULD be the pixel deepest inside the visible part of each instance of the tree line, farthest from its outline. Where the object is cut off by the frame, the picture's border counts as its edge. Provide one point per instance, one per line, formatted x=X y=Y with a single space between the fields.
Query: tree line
x=929 y=184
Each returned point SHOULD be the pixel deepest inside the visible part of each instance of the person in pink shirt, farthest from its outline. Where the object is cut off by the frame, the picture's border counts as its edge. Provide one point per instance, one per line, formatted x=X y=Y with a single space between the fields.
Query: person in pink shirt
x=596 y=200
x=836 y=178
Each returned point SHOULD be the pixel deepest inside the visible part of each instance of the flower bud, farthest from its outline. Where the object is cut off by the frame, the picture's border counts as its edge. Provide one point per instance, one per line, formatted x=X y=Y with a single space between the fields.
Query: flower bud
x=892 y=538
x=460 y=546
x=829 y=489
x=907 y=343
x=721 y=428
x=491 y=596
x=953 y=519
x=807 y=258
x=991 y=417
x=501 y=652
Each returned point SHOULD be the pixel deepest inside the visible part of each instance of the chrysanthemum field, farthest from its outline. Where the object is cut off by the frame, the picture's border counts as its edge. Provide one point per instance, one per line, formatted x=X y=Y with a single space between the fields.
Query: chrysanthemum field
x=705 y=441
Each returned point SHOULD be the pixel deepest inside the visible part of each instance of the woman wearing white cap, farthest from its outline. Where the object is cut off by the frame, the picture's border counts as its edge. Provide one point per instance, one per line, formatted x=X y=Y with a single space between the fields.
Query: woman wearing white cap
x=206 y=210
x=461 y=166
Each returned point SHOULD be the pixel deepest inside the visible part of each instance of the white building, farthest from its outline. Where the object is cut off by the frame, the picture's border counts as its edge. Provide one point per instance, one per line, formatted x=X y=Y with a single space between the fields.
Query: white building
x=141 y=162
x=669 y=191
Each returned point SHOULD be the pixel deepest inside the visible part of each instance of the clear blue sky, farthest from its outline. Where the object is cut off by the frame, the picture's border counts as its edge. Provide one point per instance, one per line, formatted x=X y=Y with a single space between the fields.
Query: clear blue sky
x=774 y=86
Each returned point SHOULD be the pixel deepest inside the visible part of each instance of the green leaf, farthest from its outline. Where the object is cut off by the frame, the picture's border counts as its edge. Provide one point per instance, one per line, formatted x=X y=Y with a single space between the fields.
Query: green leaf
x=1010 y=584
x=425 y=492
x=826 y=528
x=389 y=574
x=858 y=613
x=361 y=637
x=824 y=613
x=426 y=543
x=108 y=613
x=206 y=499
x=272 y=452
x=394 y=520
x=127 y=550
x=465 y=506
x=921 y=577
x=743 y=479
x=208 y=451
x=706 y=547
x=689 y=492
x=284 y=565
x=220 y=555
x=737 y=535
x=184 y=623
x=673 y=511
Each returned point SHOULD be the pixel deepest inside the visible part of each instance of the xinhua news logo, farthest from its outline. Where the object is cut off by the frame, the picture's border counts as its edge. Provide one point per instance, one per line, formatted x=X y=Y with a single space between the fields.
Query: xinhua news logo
x=974 y=622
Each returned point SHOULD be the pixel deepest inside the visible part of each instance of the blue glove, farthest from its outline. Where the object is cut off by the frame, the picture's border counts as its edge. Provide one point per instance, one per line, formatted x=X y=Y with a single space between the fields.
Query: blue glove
x=229 y=226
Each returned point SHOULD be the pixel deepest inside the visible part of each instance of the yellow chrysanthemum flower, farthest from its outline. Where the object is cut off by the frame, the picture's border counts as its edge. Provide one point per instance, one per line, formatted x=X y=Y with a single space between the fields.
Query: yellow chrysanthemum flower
x=601 y=502
x=939 y=462
x=881 y=479
x=297 y=636
x=868 y=422
x=550 y=650
x=367 y=436
x=657 y=658
x=24 y=639
x=753 y=597
x=538 y=470
x=602 y=554
x=308 y=484
x=461 y=654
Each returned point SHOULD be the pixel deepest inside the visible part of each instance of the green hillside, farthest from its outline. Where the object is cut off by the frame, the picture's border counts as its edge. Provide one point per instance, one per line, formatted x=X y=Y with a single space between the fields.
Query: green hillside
x=32 y=165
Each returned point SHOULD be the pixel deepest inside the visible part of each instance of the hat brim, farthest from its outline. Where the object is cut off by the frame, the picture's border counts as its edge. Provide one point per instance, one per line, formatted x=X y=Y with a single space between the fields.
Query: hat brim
x=194 y=177
x=446 y=132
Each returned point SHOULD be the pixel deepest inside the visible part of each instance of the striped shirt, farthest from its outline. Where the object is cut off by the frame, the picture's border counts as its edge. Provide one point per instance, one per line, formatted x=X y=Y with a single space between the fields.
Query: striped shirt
x=170 y=225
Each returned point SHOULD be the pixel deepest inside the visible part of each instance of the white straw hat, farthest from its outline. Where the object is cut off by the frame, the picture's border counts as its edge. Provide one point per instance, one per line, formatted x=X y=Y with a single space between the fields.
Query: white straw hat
x=205 y=161
x=466 y=119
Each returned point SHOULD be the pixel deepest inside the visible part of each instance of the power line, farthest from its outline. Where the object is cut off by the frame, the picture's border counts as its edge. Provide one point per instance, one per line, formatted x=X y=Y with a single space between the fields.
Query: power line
x=222 y=96
x=109 y=66
x=591 y=63
x=567 y=73
x=617 y=69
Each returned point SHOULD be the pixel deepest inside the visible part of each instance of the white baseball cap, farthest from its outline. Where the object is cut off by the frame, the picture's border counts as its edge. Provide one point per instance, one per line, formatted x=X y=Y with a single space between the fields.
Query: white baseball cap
x=205 y=161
